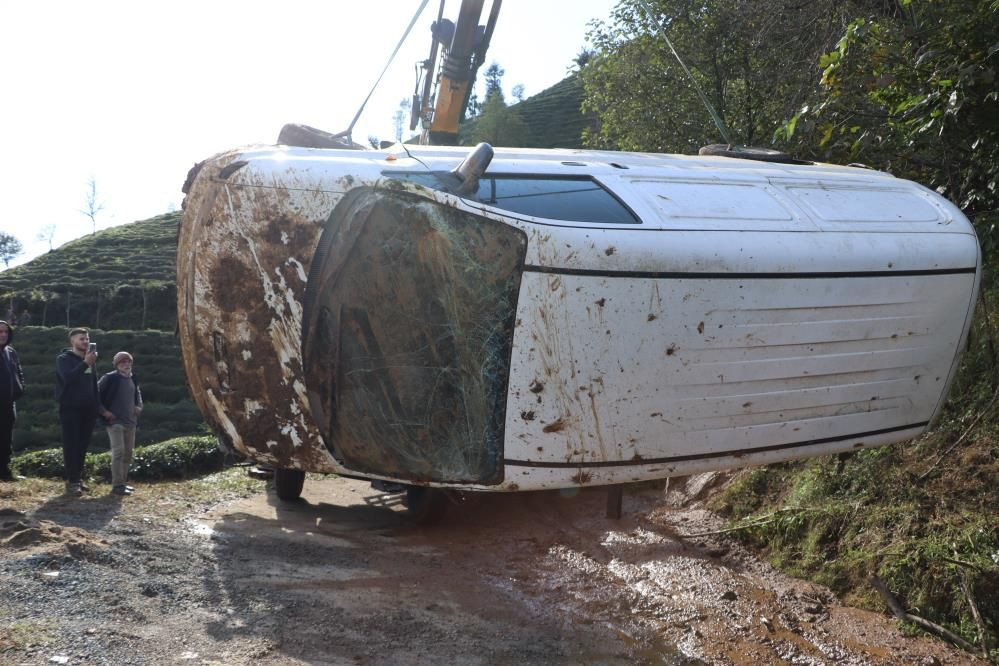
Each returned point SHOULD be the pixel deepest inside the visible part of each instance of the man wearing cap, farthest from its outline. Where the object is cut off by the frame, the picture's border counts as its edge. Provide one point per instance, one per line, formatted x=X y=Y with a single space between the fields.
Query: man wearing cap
x=11 y=388
x=121 y=402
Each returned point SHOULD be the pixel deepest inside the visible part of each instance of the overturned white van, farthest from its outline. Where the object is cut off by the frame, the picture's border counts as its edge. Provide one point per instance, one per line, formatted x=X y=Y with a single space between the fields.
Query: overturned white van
x=562 y=318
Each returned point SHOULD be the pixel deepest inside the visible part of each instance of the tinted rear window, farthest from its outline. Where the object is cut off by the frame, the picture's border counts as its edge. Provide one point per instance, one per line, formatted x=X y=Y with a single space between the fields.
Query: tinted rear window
x=571 y=198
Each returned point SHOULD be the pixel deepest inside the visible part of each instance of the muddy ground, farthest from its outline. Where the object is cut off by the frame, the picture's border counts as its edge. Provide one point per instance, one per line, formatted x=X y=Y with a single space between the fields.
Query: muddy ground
x=174 y=576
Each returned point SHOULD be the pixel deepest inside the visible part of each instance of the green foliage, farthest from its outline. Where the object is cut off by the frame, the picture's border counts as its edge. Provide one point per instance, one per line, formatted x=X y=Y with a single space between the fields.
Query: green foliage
x=752 y=59
x=553 y=117
x=10 y=247
x=169 y=410
x=119 y=278
x=180 y=457
x=914 y=93
x=499 y=125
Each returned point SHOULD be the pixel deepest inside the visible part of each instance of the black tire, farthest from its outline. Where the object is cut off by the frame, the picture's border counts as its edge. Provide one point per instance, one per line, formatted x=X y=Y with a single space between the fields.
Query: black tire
x=426 y=506
x=288 y=483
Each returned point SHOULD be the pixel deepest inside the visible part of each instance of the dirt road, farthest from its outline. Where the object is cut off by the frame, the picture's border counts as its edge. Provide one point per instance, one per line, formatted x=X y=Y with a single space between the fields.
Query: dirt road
x=343 y=577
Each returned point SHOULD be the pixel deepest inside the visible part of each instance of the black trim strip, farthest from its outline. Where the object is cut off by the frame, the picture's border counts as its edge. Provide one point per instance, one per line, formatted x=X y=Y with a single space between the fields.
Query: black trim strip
x=692 y=275
x=706 y=456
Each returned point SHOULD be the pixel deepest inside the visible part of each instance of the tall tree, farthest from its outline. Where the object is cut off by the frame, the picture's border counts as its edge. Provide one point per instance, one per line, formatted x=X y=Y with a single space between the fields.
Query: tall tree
x=494 y=80
x=47 y=233
x=10 y=247
x=754 y=60
x=93 y=205
x=499 y=125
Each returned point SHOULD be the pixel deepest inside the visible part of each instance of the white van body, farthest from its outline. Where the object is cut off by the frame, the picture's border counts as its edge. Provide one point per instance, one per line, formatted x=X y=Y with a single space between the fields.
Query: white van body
x=733 y=313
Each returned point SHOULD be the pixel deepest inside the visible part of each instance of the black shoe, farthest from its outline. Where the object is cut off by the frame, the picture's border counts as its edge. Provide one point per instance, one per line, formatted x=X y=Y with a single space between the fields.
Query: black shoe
x=73 y=489
x=84 y=487
x=10 y=478
x=121 y=490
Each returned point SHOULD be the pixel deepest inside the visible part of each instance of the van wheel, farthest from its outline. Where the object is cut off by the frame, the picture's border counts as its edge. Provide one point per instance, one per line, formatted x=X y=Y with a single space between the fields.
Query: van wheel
x=426 y=506
x=288 y=483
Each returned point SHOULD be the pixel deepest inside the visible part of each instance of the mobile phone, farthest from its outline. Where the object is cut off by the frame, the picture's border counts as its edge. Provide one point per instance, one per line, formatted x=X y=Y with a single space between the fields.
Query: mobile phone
x=93 y=348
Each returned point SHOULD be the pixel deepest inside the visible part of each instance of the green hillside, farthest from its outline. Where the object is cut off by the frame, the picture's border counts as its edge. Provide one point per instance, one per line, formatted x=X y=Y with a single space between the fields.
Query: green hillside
x=553 y=117
x=119 y=278
x=120 y=283
x=169 y=411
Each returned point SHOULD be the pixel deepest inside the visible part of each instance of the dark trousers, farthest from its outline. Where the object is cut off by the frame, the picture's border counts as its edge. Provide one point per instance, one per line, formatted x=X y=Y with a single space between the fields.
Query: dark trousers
x=8 y=414
x=77 y=427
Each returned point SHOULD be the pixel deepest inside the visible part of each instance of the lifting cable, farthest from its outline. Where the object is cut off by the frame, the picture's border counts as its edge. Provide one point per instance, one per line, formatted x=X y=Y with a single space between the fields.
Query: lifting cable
x=719 y=123
x=347 y=132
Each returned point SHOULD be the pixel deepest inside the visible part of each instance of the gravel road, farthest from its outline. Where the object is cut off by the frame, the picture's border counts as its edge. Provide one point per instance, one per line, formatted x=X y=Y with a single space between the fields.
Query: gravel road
x=176 y=574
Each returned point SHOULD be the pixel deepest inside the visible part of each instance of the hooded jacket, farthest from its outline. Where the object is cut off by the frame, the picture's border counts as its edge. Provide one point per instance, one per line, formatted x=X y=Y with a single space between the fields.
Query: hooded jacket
x=75 y=387
x=13 y=364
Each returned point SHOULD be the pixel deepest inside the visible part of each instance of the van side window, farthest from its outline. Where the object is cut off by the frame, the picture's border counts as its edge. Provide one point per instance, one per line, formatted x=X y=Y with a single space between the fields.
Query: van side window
x=570 y=198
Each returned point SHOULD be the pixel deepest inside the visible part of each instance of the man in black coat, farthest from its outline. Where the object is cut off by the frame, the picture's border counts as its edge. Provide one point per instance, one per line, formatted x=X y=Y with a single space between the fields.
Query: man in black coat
x=11 y=388
x=79 y=406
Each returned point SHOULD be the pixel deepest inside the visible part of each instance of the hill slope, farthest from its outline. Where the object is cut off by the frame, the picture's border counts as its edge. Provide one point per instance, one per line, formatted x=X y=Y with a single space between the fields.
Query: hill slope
x=119 y=278
x=120 y=283
x=553 y=117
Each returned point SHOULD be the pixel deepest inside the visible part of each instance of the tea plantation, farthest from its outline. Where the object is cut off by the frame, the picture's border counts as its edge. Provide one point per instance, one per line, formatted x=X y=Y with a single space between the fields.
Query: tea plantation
x=119 y=283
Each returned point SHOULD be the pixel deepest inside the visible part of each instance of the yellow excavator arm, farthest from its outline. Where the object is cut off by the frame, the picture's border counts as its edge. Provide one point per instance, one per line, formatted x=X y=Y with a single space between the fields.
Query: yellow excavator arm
x=462 y=48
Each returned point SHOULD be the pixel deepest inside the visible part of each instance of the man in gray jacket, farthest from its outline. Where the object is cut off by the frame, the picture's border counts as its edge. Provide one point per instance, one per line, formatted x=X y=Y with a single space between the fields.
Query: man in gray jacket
x=122 y=400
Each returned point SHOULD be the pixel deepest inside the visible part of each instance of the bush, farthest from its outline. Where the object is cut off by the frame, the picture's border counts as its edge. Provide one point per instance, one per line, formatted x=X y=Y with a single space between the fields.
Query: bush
x=180 y=457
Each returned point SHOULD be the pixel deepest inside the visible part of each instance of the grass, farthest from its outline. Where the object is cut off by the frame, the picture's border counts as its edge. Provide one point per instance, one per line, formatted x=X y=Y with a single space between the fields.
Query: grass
x=25 y=634
x=167 y=499
x=920 y=514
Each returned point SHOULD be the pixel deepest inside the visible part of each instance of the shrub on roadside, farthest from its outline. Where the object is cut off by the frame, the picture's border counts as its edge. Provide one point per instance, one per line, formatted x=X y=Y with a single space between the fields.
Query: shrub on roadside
x=179 y=457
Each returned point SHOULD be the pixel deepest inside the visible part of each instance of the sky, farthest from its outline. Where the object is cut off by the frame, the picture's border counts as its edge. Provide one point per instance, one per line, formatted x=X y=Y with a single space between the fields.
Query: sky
x=132 y=94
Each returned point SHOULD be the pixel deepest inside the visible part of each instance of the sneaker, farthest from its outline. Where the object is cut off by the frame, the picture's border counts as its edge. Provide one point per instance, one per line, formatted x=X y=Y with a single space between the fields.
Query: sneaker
x=84 y=487
x=121 y=490
x=73 y=489
x=10 y=478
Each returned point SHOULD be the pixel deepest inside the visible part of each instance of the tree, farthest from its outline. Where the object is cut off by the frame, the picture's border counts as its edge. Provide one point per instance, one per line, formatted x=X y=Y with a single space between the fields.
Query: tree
x=93 y=205
x=494 y=79
x=401 y=116
x=499 y=125
x=914 y=92
x=10 y=247
x=754 y=60
x=518 y=92
x=47 y=233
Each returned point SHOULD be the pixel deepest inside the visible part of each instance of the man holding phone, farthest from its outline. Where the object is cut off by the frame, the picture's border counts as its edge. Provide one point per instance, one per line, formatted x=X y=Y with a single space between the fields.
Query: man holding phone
x=79 y=406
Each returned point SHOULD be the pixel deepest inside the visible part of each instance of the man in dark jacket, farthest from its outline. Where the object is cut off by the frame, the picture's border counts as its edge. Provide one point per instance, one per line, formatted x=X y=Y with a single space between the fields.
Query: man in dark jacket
x=76 y=392
x=11 y=388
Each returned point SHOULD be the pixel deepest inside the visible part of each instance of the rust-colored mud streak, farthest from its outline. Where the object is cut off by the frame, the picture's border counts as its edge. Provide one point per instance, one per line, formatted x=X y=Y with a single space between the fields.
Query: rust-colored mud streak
x=244 y=250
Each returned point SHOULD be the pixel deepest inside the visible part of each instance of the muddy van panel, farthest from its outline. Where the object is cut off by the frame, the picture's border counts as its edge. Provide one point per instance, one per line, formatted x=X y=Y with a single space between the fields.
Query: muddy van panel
x=741 y=317
x=244 y=248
